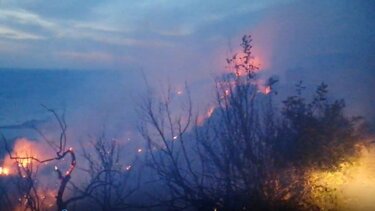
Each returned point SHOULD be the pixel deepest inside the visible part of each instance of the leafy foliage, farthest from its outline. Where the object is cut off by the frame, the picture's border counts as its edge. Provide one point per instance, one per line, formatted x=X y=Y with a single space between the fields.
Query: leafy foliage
x=248 y=154
x=317 y=133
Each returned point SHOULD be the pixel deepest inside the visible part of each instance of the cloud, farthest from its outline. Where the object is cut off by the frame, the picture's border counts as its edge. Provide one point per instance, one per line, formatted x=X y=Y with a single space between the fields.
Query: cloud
x=174 y=18
x=22 y=21
x=25 y=17
x=88 y=56
x=97 y=26
x=9 y=33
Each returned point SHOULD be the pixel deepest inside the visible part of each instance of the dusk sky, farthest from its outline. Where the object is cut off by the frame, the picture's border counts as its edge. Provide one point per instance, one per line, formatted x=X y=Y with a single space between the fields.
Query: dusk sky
x=117 y=34
x=330 y=41
x=187 y=105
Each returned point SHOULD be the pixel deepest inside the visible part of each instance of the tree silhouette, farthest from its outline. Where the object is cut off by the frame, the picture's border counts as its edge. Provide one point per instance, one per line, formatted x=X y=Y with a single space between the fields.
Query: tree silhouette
x=248 y=155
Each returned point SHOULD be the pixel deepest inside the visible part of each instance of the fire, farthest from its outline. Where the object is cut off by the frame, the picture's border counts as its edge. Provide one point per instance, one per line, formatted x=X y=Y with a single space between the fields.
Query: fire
x=241 y=57
x=262 y=86
x=240 y=64
x=264 y=89
x=255 y=64
x=22 y=148
x=242 y=67
x=24 y=162
x=256 y=61
x=4 y=171
x=352 y=187
x=210 y=111
x=201 y=118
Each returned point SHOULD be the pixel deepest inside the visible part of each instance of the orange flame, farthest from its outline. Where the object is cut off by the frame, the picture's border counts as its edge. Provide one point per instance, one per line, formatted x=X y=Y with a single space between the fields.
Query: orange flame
x=208 y=114
x=264 y=89
x=23 y=148
x=210 y=111
x=4 y=171
x=254 y=64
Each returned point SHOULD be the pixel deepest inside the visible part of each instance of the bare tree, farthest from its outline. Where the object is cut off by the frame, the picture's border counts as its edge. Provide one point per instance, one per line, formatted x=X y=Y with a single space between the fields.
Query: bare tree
x=248 y=155
x=224 y=162
x=162 y=129
x=27 y=173
x=110 y=184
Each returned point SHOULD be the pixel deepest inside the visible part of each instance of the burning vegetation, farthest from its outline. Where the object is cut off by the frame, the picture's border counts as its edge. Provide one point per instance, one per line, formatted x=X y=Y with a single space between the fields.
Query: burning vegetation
x=348 y=187
x=247 y=152
x=251 y=153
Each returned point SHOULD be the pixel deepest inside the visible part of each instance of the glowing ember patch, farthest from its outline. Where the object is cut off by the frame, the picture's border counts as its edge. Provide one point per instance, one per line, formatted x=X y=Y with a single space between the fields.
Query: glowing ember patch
x=208 y=114
x=241 y=67
x=139 y=150
x=4 y=171
x=265 y=89
x=24 y=162
x=175 y=137
x=210 y=111
x=256 y=62
x=25 y=149
x=128 y=167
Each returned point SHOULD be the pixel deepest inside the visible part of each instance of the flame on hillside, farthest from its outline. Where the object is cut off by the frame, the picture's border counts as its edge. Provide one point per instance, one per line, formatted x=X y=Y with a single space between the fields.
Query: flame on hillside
x=4 y=171
x=23 y=148
x=206 y=115
x=240 y=66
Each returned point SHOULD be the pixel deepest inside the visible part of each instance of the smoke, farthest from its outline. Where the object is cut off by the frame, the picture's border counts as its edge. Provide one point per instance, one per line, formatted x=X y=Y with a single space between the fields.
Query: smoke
x=93 y=103
x=312 y=41
x=317 y=41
